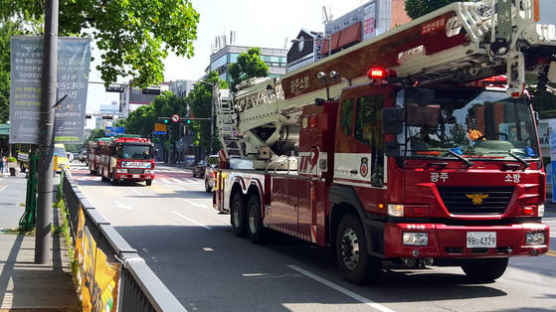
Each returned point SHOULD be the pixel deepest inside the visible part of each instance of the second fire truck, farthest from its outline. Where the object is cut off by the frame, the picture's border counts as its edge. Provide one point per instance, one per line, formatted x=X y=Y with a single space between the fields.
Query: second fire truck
x=126 y=158
x=396 y=149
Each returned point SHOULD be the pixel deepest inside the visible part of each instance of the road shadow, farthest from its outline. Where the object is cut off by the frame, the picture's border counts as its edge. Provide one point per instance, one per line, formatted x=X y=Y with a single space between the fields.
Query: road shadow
x=192 y=261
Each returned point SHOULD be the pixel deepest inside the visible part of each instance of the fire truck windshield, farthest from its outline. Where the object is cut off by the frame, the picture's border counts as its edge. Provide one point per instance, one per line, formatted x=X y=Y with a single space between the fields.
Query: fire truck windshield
x=469 y=122
x=134 y=151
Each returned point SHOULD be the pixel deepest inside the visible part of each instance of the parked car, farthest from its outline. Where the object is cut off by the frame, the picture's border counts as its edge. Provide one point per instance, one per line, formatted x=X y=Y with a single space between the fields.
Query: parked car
x=212 y=165
x=83 y=156
x=61 y=158
x=199 y=169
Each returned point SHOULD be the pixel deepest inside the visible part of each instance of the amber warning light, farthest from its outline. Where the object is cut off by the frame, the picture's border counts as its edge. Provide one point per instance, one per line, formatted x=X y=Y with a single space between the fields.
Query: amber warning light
x=379 y=73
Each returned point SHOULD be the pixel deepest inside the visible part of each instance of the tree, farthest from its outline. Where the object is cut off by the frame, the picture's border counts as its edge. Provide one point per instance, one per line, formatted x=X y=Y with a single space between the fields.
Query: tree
x=248 y=65
x=134 y=36
x=417 y=8
x=200 y=100
x=95 y=134
x=7 y=30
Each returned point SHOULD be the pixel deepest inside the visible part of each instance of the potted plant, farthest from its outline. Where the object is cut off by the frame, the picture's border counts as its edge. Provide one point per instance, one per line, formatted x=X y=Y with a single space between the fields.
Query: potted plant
x=12 y=165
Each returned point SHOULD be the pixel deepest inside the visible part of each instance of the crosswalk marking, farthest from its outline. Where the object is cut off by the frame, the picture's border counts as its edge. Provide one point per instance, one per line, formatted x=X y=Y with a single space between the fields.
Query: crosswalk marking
x=161 y=180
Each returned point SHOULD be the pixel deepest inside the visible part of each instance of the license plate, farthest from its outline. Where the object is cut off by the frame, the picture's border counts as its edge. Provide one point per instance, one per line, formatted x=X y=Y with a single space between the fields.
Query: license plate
x=135 y=176
x=481 y=239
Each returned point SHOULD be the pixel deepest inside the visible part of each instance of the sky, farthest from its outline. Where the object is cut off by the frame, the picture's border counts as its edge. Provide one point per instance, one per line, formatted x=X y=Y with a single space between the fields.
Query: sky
x=256 y=23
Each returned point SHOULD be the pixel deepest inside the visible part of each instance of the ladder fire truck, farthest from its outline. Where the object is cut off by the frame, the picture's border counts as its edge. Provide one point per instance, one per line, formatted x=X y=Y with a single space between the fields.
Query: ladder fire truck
x=408 y=149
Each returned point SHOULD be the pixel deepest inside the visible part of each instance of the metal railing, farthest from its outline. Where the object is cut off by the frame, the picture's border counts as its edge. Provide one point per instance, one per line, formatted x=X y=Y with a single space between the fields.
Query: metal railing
x=139 y=288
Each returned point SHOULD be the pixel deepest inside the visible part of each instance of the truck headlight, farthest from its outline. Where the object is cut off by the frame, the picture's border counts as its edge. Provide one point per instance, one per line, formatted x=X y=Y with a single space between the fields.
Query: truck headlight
x=535 y=238
x=395 y=210
x=540 y=210
x=121 y=170
x=415 y=238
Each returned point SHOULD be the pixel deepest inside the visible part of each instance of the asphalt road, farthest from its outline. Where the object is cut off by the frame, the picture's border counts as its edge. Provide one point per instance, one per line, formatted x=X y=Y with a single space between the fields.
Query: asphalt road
x=193 y=251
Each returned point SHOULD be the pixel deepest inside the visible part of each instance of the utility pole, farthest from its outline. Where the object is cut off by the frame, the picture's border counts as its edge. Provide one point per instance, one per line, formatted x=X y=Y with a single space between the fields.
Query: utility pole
x=43 y=239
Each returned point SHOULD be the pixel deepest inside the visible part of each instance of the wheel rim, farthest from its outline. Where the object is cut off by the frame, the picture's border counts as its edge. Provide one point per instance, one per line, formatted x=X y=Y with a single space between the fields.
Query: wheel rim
x=236 y=214
x=252 y=226
x=350 y=248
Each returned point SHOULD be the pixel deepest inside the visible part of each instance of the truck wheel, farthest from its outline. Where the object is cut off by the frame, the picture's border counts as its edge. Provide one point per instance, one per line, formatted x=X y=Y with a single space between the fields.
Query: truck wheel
x=114 y=180
x=355 y=263
x=149 y=182
x=255 y=228
x=237 y=215
x=485 y=270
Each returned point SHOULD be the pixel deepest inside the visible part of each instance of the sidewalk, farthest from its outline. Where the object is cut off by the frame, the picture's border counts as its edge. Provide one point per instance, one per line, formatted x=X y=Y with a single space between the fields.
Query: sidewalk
x=24 y=285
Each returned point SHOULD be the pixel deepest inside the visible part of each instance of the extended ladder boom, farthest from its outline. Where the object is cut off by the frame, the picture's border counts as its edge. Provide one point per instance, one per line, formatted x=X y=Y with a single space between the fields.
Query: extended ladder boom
x=459 y=43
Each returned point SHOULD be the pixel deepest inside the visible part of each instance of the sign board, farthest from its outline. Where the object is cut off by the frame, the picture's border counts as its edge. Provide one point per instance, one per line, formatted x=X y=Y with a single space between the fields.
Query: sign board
x=74 y=55
x=369 y=21
x=175 y=118
x=113 y=131
x=159 y=128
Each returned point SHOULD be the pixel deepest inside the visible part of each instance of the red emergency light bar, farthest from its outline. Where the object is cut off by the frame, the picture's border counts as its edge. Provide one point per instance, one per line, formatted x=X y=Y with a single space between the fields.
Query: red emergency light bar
x=379 y=73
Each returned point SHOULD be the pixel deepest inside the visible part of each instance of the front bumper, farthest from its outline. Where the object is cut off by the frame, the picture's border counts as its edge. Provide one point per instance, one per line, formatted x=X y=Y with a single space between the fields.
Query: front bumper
x=450 y=241
x=132 y=176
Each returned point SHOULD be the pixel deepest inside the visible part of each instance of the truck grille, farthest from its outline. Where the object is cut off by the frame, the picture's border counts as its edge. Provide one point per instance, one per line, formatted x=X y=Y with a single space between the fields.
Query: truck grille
x=476 y=200
x=139 y=171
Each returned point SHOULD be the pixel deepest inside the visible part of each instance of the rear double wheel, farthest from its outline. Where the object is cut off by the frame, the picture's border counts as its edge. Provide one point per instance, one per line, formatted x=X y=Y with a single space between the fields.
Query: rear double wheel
x=352 y=255
x=237 y=215
x=255 y=228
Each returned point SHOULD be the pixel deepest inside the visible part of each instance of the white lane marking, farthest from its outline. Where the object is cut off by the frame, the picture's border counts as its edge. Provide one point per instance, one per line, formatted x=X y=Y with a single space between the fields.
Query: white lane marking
x=136 y=192
x=191 y=220
x=120 y=205
x=195 y=204
x=3 y=187
x=344 y=291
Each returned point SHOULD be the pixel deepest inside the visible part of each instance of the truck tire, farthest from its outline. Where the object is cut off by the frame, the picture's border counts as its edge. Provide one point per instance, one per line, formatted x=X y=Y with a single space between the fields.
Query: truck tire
x=255 y=228
x=352 y=255
x=114 y=180
x=149 y=182
x=237 y=215
x=485 y=270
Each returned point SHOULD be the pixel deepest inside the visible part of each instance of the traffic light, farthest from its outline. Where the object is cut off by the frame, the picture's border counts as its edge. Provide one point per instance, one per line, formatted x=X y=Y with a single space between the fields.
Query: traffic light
x=165 y=121
x=188 y=121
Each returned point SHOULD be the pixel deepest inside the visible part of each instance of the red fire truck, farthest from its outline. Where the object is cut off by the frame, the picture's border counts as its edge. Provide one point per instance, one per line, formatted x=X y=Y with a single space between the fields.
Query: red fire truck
x=405 y=162
x=126 y=158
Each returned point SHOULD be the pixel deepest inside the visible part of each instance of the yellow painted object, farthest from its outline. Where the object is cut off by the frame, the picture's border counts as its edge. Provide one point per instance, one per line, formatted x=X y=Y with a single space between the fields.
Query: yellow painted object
x=55 y=163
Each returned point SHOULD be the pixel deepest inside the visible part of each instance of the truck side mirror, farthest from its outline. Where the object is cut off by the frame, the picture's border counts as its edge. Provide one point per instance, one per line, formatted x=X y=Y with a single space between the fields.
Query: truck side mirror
x=391 y=120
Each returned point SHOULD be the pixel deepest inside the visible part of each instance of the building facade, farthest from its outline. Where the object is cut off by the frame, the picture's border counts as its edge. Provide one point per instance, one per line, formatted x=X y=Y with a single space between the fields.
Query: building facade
x=222 y=58
x=363 y=23
x=181 y=88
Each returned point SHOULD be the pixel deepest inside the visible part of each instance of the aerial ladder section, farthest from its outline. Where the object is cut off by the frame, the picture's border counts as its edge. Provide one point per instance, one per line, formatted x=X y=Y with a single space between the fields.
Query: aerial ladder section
x=459 y=43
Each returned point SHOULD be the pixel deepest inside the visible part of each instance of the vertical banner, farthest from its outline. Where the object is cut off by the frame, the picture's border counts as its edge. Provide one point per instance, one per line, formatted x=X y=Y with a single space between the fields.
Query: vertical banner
x=74 y=56
x=552 y=131
x=369 y=21
x=25 y=89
